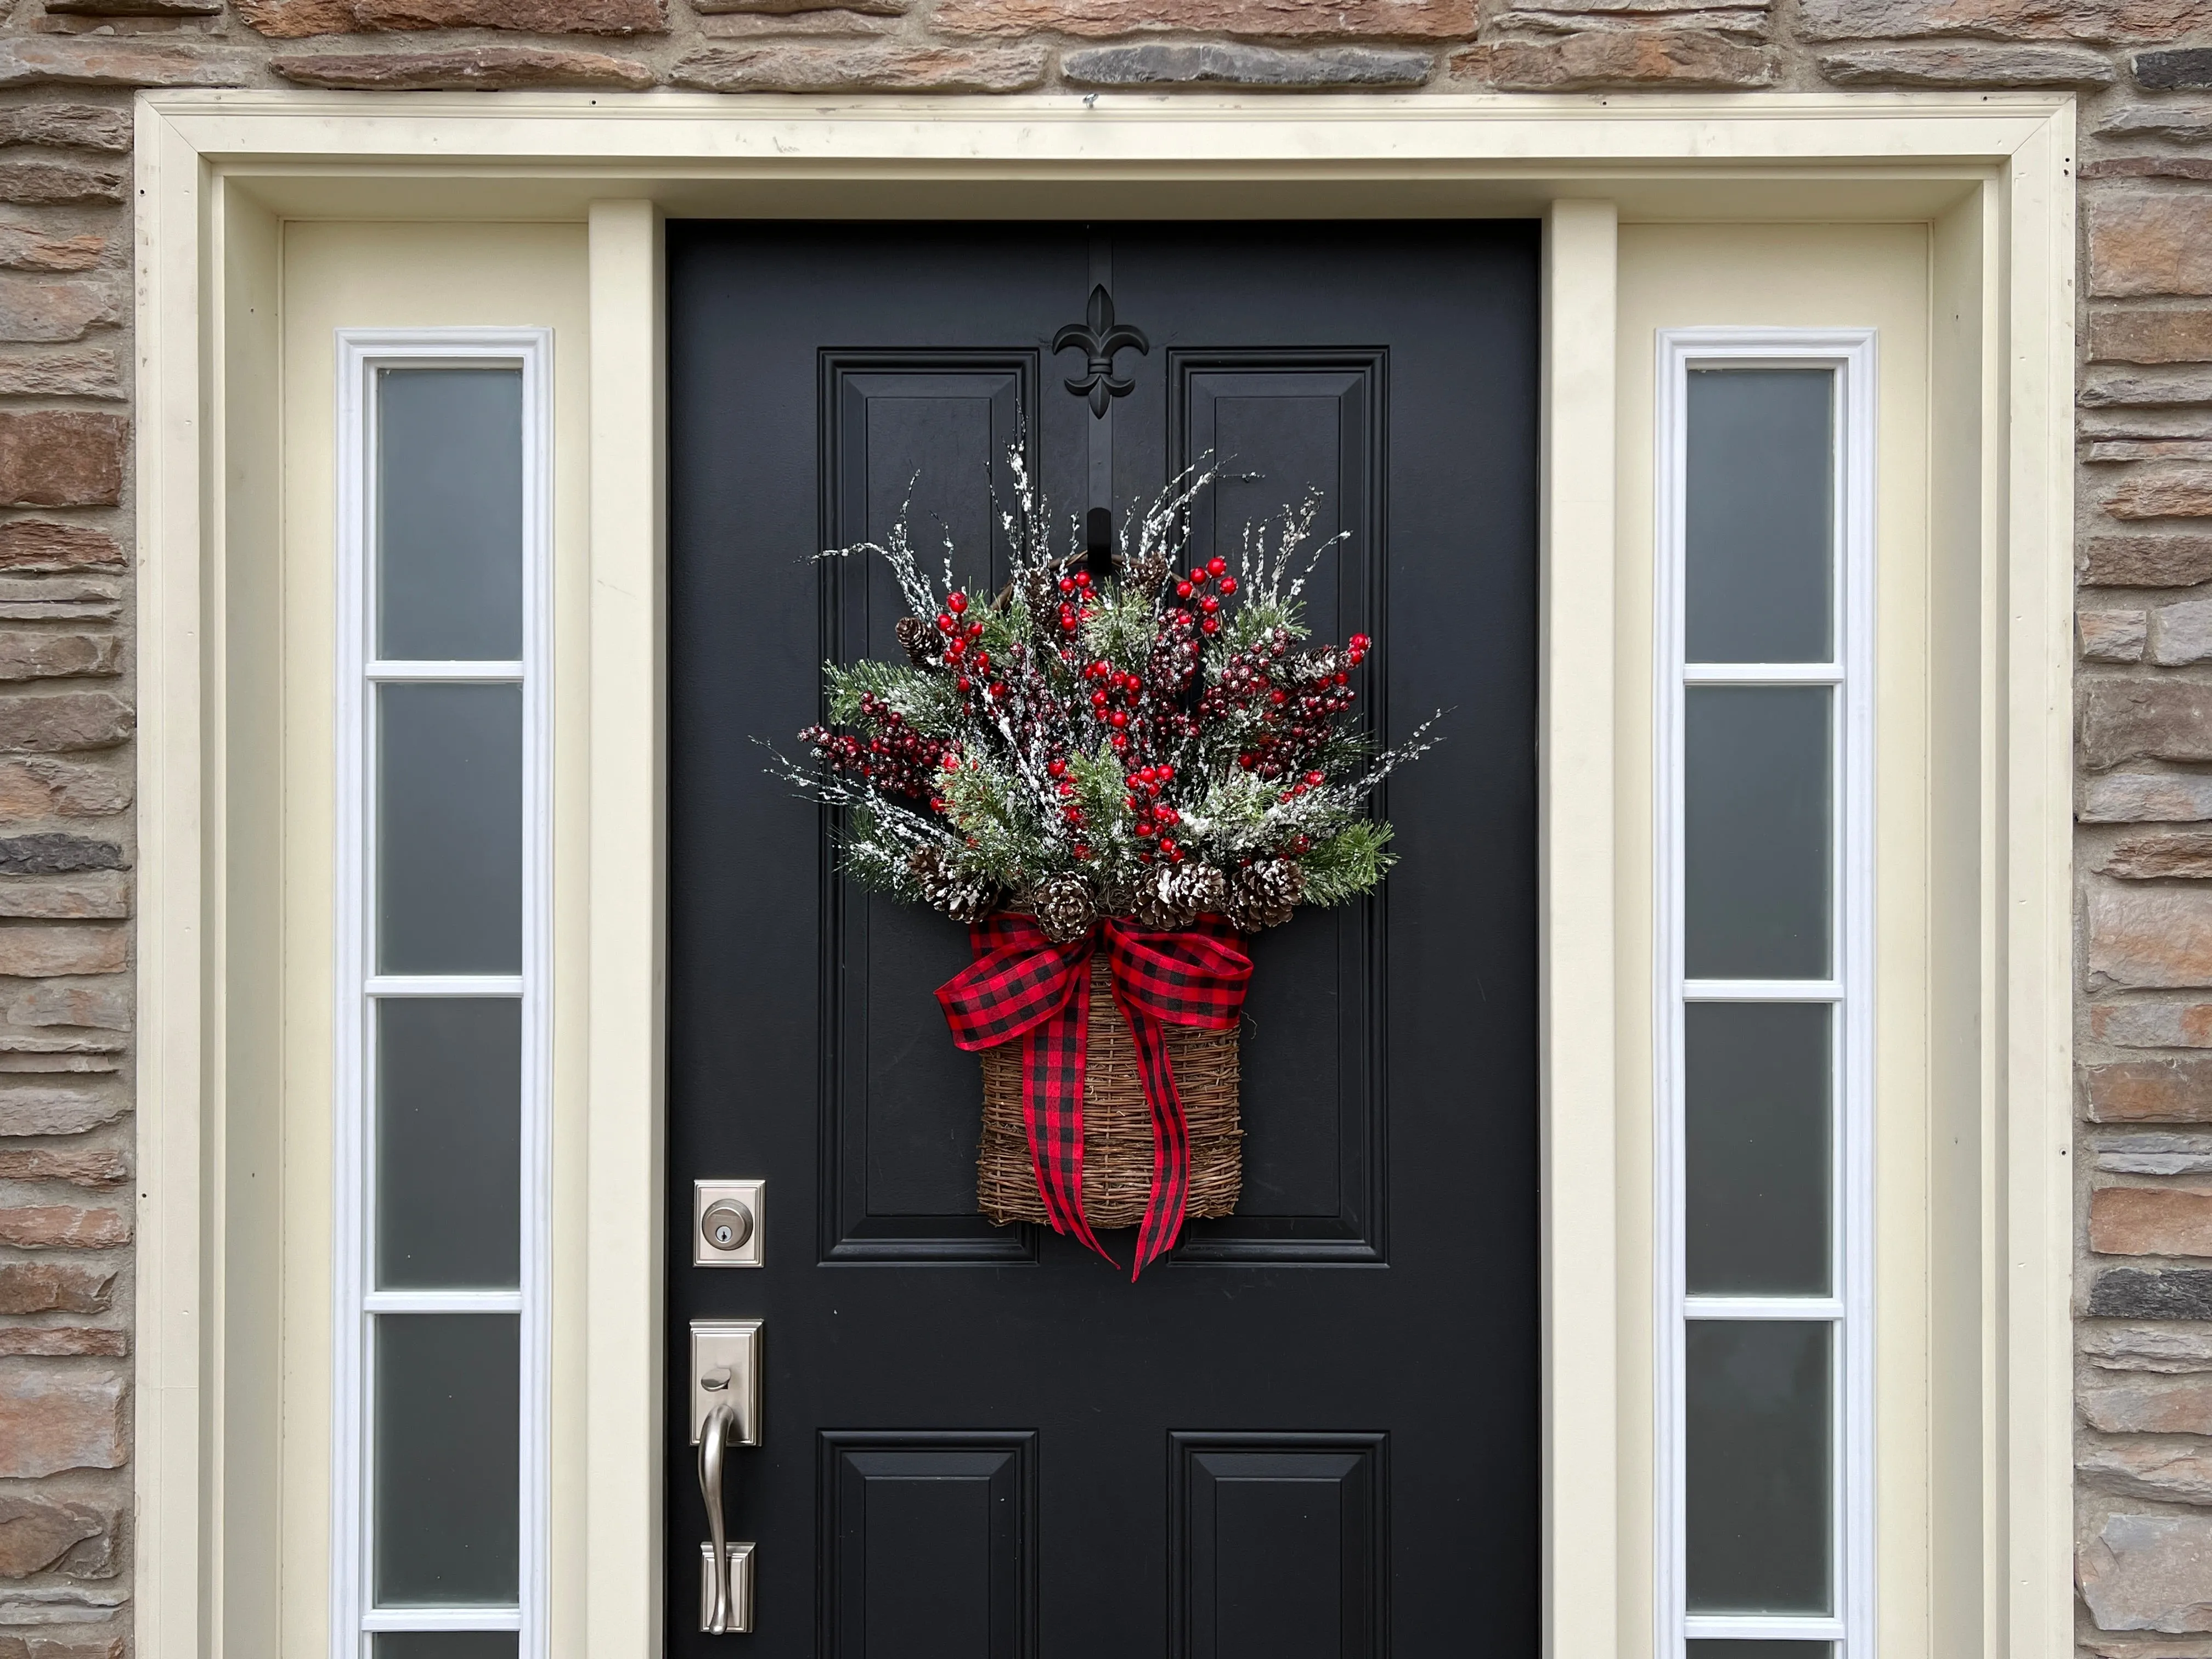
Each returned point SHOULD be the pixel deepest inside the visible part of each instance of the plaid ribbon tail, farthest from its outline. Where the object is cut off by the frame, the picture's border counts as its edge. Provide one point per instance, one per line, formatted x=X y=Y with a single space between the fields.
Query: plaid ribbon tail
x=1170 y=1195
x=1053 y=1054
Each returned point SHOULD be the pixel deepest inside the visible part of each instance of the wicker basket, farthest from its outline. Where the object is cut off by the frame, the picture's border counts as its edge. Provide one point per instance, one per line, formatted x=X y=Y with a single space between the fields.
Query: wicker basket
x=1117 y=1124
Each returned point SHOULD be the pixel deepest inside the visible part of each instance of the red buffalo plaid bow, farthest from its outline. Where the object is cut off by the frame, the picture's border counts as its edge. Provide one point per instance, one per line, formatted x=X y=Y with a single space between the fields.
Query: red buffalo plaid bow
x=1022 y=985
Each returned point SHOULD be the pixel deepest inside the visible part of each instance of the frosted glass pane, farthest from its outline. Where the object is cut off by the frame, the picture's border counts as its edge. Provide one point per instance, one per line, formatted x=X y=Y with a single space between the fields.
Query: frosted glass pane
x=1755 y=1649
x=448 y=1143
x=1759 y=515
x=448 y=1489
x=449 y=829
x=1756 y=832
x=1758 y=1410
x=449 y=513
x=447 y=1644
x=1756 y=1142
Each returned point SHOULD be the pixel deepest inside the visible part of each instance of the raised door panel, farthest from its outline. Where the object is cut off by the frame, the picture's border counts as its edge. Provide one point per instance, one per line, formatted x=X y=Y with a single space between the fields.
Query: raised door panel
x=919 y=437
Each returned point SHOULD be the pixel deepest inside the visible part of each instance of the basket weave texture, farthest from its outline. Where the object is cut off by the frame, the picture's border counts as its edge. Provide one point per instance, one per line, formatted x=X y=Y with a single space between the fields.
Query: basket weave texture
x=1117 y=1123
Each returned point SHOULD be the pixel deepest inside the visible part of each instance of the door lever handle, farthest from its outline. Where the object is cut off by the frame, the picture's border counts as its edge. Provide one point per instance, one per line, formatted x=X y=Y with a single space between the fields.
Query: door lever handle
x=715 y=1442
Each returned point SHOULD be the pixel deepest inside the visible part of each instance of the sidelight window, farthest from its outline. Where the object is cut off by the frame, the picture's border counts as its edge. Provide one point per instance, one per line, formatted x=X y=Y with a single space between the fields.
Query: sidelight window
x=441 y=1141
x=1765 y=1094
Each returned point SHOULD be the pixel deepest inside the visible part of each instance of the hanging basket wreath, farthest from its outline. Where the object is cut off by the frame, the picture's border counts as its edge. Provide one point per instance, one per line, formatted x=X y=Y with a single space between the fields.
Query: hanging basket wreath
x=1110 y=780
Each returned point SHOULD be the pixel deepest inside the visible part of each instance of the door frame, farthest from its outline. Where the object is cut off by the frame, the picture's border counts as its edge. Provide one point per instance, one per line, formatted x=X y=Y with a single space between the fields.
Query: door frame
x=219 y=171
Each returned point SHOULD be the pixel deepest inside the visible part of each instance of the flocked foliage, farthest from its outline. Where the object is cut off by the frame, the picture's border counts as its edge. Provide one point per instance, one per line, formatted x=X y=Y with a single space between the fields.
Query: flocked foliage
x=1163 y=742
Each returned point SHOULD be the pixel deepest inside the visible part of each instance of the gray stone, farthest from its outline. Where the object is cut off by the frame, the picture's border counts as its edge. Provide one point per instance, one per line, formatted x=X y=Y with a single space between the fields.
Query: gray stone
x=89 y=374
x=1968 y=65
x=2166 y=71
x=55 y=854
x=87 y=60
x=76 y=599
x=2141 y=1293
x=463 y=69
x=2152 y=1025
x=53 y=180
x=2149 y=1572
x=2147 y=388
x=36 y=787
x=2146 y=798
x=100 y=1002
x=29 y=1111
x=2173 y=1472
x=81 y=126
x=1214 y=65
x=2129 y=1404
x=95 y=895
x=812 y=67
x=65 y=721
x=2174 y=1349
x=2183 y=123
x=42 y=656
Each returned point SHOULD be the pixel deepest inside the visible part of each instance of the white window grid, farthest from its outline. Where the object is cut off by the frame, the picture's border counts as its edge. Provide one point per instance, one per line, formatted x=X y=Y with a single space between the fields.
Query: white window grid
x=1851 y=353
x=361 y=353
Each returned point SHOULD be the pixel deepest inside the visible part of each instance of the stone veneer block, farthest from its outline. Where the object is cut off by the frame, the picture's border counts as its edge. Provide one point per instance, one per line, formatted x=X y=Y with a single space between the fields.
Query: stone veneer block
x=39 y=1534
x=1964 y=65
x=1214 y=65
x=27 y=656
x=2150 y=1221
x=2005 y=20
x=2181 y=493
x=2146 y=798
x=1680 y=58
x=2114 y=635
x=127 y=60
x=2186 y=855
x=2181 y=561
x=463 y=69
x=38 y=180
x=2177 y=1090
x=2150 y=245
x=810 y=67
x=1424 y=20
x=79 y=126
x=2178 y=335
x=2165 y=71
x=2137 y=1293
x=36 y=1287
x=53 y=1421
x=290 y=20
x=39 y=787
x=2150 y=938
x=64 y=1227
x=2183 y=123
x=2144 y=719
x=2149 y=1572
x=2153 y=1024
x=60 y=457
x=2155 y=1469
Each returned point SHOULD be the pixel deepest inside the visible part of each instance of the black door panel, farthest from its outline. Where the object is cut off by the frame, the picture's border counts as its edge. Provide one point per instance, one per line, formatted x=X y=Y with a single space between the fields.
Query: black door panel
x=1312 y=1430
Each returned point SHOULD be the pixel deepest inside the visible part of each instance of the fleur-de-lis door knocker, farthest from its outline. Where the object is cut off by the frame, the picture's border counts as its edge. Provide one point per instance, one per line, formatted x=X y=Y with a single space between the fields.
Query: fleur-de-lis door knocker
x=1100 y=337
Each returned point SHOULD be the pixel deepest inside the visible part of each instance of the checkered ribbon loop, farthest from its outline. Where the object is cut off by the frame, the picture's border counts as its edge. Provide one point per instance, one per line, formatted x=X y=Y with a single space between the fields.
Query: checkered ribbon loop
x=1022 y=985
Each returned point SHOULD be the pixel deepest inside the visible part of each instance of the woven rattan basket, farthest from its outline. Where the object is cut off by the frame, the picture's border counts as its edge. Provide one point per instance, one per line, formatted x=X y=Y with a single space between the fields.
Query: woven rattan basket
x=1117 y=1124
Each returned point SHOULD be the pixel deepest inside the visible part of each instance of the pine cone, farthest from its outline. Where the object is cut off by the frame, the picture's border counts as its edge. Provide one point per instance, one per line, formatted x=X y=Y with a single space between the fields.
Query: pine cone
x=1145 y=574
x=1063 y=907
x=1175 y=897
x=1264 y=894
x=947 y=887
x=919 y=638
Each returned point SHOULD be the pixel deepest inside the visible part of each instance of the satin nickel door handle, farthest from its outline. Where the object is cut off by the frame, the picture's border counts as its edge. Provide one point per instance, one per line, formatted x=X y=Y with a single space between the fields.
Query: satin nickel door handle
x=725 y=1589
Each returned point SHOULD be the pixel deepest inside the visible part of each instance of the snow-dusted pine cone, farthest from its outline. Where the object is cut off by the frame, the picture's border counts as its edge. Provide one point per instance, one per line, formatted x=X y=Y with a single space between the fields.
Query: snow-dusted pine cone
x=919 y=638
x=1179 y=895
x=947 y=887
x=1064 y=907
x=1263 y=894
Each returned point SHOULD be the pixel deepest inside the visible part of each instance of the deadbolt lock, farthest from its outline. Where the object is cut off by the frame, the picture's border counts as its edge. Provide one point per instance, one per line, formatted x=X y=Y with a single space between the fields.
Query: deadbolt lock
x=726 y=1217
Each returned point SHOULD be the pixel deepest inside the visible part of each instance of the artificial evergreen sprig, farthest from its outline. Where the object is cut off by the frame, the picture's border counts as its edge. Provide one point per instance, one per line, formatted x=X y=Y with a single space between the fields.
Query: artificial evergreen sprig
x=1160 y=744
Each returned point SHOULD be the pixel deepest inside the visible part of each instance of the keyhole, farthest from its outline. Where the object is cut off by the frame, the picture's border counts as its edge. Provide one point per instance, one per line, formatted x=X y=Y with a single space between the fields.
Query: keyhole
x=728 y=1224
x=725 y=1235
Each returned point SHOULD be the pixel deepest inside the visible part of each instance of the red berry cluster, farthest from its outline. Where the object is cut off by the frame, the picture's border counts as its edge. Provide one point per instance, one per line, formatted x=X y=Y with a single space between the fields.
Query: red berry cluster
x=895 y=757
x=1155 y=818
x=1075 y=597
x=1287 y=702
x=1190 y=589
x=962 y=652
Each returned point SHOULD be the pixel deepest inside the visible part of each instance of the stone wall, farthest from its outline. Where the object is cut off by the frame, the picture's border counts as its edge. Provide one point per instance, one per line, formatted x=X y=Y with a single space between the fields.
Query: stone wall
x=2143 y=68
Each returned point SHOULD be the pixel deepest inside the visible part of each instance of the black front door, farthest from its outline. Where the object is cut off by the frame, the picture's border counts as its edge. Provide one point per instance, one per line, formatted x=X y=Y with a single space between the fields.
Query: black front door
x=1312 y=1430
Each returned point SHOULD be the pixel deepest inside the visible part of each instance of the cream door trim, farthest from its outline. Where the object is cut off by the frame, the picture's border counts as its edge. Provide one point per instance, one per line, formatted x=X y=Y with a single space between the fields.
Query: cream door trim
x=218 y=172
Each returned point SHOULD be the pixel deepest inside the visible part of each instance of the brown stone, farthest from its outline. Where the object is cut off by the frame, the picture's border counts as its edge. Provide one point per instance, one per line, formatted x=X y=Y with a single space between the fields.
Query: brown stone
x=29 y=247
x=2146 y=560
x=36 y=1533
x=2156 y=936
x=94 y=1644
x=25 y=656
x=2178 y=335
x=64 y=1227
x=117 y=61
x=61 y=457
x=38 y=544
x=2181 y=493
x=2005 y=20
x=2150 y=245
x=46 y=311
x=1682 y=58
x=1964 y=65
x=44 y=181
x=2146 y=798
x=104 y=1003
x=1139 y=63
x=91 y=373
x=2149 y=1405
x=860 y=66
x=78 y=126
x=79 y=1064
x=1425 y=19
x=33 y=951
x=2131 y=719
x=80 y=1166
x=51 y=1421
x=291 y=20
x=99 y=895
x=2149 y=1572
x=36 y=1111
x=66 y=720
x=2114 y=635
x=56 y=1341
x=2176 y=1091
x=463 y=69
x=2153 y=858
x=797 y=9
x=2148 y=167
x=784 y=25
x=36 y=788
x=2153 y=1024
x=2150 y=1221
x=104 y=10
x=2156 y=1469
x=34 y=1287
